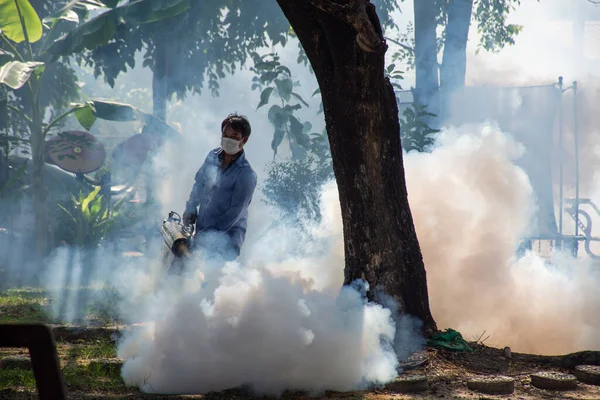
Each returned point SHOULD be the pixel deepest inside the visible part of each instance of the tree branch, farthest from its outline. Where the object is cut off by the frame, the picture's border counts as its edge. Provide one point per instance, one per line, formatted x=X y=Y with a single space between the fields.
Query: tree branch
x=356 y=14
x=405 y=47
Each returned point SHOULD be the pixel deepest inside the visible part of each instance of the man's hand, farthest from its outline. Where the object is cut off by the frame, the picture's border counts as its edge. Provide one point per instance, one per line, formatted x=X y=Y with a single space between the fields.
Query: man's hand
x=189 y=218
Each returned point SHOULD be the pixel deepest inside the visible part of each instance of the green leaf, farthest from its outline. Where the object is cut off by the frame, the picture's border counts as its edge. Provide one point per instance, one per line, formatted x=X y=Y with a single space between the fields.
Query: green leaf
x=277 y=116
x=121 y=112
x=68 y=213
x=284 y=88
x=85 y=116
x=68 y=15
x=100 y=30
x=306 y=127
x=277 y=139
x=90 y=197
x=111 y=3
x=296 y=128
x=10 y=23
x=283 y=68
x=296 y=95
x=6 y=53
x=264 y=97
x=114 y=111
x=81 y=8
x=268 y=77
x=290 y=109
x=318 y=91
x=95 y=206
x=15 y=73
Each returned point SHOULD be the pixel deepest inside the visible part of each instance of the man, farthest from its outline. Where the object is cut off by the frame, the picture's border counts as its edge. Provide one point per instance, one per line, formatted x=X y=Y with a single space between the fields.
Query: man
x=222 y=191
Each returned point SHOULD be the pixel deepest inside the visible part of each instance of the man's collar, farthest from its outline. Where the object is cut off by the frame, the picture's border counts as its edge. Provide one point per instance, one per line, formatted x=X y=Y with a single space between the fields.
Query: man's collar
x=221 y=154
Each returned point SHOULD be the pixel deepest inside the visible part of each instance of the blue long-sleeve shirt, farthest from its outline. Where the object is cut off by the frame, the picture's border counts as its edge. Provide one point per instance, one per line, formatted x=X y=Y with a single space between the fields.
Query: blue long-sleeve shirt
x=220 y=198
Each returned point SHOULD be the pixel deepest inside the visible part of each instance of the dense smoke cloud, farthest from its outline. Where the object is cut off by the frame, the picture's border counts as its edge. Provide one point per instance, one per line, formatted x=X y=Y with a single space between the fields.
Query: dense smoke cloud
x=266 y=323
x=471 y=206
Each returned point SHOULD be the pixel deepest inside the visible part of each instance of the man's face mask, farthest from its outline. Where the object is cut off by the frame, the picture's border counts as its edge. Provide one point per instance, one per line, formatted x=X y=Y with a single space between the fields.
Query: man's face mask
x=230 y=146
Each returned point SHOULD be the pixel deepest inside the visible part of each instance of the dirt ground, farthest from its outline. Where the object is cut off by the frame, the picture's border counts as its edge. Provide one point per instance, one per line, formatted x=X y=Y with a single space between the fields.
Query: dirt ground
x=447 y=374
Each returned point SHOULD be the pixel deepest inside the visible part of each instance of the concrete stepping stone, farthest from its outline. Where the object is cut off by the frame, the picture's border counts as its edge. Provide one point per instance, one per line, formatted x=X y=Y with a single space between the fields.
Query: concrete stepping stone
x=15 y=362
x=492 y=384
x=553 y=381
x=589 y=374
x=408 y=384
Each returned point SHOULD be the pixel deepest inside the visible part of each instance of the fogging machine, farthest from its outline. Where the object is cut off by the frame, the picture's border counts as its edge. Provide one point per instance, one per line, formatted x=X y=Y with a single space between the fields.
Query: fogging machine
x=178 y=241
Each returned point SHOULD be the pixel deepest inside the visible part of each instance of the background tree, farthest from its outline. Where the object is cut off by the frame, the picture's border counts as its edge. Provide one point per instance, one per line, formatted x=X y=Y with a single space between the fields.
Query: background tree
x=294 y=184
x=344 y=43
x=441 y=28
x=198 y=47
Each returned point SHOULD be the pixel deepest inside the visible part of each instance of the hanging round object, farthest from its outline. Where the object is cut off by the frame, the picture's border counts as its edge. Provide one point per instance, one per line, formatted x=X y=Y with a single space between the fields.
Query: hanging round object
x=76 y=151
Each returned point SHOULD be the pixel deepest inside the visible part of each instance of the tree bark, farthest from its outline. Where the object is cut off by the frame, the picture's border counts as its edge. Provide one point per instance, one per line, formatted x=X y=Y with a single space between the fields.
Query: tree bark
x=426 y=92
x=160 y=78
x=160 y=93
x=361 y=116
x=40 y=205
x=454 y=62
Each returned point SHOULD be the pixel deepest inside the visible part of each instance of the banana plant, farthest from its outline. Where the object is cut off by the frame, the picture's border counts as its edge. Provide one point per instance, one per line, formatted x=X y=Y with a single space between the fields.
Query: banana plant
x=20 y=27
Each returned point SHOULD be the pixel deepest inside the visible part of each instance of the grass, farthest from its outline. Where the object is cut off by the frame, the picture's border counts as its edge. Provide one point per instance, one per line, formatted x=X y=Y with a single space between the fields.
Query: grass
x=75 y=363
x=78 y=376
x=26 y=305
x=22 y=305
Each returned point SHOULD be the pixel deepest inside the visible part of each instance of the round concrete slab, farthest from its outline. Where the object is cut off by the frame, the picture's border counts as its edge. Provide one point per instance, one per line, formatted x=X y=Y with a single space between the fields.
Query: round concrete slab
x=589 y=374
x=409 y=384
x=492 y=384
x=553 y=381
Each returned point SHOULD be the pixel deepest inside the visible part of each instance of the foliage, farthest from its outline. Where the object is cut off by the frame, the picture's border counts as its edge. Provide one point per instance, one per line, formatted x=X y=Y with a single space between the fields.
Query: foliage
x=203 y=44
x=491 y=24
x=415 y=133
x=490 y=18
x=293 y=184
x=101 y=29
x=211 y=39
x=94 y=218
x=272 y=78
x=394 y=75
x=294 y=187
x=17 y=12
x=27 y=70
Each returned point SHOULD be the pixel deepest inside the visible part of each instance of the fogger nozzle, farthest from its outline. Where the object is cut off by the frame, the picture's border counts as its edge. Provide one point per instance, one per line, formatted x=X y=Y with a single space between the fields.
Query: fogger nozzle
x=176 y=236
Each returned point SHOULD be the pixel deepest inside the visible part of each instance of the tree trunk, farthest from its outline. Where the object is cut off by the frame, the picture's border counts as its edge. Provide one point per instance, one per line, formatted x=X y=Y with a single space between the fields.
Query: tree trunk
x=5 y=144
x=40 y=206
x=159 y=78
x=361 y=116
x=426 y=90
x=454 y=62
x=160 y=93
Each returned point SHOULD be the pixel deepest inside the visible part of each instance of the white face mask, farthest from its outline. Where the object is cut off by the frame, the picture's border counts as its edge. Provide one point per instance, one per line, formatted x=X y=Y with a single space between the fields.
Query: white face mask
x=230 y=146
